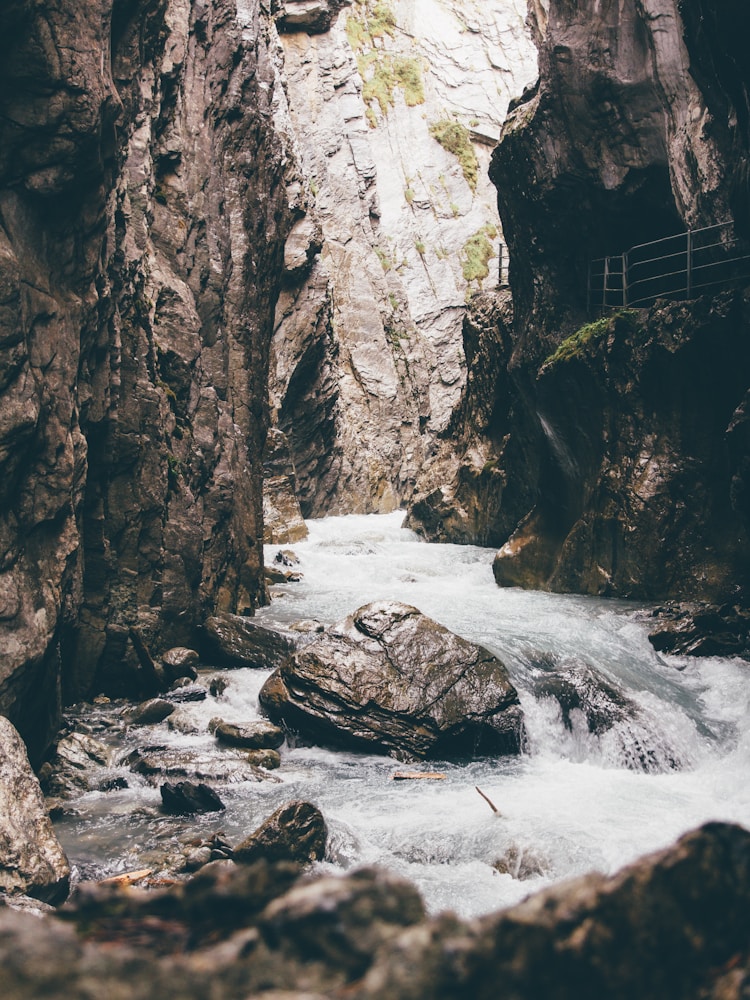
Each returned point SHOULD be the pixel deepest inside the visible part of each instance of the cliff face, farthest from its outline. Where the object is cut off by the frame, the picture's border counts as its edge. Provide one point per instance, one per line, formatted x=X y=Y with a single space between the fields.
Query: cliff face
x=142 y=219
x=628 y=455
x=393 y=112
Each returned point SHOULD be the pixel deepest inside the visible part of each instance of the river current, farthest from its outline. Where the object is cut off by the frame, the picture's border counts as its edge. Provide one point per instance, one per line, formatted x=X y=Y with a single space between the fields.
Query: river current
x=576 y=801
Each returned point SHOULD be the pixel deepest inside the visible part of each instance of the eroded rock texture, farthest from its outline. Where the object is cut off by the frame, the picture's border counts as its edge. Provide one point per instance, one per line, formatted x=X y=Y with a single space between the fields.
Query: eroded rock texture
x=142 y=220
x=630 y=479
x=672 y=926
x=388 y=679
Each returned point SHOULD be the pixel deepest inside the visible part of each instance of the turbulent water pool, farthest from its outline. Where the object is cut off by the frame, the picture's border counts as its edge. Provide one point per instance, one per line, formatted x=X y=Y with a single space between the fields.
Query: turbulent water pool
x=575 y=801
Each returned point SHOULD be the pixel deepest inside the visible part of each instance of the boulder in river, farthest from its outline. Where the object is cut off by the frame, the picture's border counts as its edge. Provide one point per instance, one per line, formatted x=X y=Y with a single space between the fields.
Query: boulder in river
x=389 y=679
x=148 y=712
x=260 y=735
x=179 y=661
x=186 y=797
x=295 y=832
x=239 y=641
x=32 y=862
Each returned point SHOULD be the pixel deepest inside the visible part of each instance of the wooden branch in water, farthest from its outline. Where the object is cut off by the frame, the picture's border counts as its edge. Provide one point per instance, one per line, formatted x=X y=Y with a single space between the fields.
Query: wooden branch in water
x=489 y=801
x=415 y=775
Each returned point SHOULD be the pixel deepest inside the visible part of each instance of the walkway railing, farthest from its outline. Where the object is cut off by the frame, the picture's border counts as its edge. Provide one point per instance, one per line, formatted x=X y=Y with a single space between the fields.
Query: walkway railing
x=677 y=267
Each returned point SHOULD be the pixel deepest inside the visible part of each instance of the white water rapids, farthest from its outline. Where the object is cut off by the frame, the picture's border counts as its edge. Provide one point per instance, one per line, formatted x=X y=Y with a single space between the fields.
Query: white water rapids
x=574 y=802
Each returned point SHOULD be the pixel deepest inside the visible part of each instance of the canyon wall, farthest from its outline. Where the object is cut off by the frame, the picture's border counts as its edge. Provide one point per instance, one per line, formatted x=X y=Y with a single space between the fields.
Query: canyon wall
x=393 y=112
x=143 y=213
x=616 y=463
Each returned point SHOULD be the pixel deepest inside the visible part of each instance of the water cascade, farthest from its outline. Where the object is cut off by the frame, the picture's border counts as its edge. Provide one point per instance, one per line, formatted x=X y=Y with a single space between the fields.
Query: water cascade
x=626 y=749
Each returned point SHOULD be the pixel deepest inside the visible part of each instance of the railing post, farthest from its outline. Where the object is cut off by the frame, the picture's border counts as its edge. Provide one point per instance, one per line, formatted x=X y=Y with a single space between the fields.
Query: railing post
x=625 y=280
x=606 y=282
x=689 y=253
x=500 y=265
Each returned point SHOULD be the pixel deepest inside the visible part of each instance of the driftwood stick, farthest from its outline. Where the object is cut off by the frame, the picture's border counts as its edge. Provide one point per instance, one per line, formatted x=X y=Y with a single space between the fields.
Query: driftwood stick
x=417 y=775
x=489 y=801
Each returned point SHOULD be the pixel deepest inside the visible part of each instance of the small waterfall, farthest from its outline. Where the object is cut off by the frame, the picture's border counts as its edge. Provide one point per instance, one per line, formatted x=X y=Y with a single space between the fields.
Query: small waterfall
x=626 y=752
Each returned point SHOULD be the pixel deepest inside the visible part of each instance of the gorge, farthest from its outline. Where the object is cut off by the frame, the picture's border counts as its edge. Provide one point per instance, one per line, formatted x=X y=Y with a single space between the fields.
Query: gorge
x=263 y=261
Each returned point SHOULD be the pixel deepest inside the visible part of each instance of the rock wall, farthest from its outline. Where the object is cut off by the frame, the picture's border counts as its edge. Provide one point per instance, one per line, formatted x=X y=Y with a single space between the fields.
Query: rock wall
x=143 y=214
x=393 y=230
x=632 y=477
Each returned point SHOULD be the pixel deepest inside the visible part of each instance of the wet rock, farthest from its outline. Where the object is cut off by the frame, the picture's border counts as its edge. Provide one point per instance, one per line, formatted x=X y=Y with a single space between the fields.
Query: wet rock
x=239 y=641
x=295 y=832
x=270 y=760
x=181 y=722
x=218 y=686
x=592 y=936
x=250 y=736
x=274 y=575
x=186 y=797
x=184 y=690
x=180 y=662
x=521 y=863
x=576 y=687
x=32 y=862
x=389 y=679
x=703 y=630
x=203 y=765
x=149 y=713
x=77 y=758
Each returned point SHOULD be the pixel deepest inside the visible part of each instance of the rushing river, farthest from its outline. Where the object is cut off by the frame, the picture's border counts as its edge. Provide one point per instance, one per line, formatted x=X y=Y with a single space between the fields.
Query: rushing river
x=576 y=801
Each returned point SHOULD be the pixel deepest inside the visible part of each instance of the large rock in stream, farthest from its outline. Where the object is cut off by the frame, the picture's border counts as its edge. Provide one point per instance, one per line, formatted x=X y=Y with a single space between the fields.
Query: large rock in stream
x=32 y=862
x=388 y=679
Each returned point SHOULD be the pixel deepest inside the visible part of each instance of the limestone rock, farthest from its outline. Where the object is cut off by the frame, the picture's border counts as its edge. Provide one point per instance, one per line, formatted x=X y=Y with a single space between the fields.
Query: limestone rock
x=239 y=641
x=32 y=862
x=389 y=679
x=367 y=356
x=295 y=832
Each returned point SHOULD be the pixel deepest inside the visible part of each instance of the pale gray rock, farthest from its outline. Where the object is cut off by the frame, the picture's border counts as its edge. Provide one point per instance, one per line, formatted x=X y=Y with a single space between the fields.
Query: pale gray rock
x=389 y=679
x=32 y=862
x=367 y=355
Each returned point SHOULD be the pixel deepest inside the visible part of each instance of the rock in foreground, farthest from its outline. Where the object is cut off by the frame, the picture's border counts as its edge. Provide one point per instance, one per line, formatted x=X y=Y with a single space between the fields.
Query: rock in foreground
x=31 y=859
x=389 y=679
x=672 y=926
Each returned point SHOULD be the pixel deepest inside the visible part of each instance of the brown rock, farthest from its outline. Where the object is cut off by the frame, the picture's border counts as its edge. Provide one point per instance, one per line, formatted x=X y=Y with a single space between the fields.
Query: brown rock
x=295 y=832
x=389 y=679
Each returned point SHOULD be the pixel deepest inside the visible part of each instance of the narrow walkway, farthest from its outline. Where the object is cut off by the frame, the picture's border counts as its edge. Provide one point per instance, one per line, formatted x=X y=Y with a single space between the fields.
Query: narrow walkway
x=677 y=267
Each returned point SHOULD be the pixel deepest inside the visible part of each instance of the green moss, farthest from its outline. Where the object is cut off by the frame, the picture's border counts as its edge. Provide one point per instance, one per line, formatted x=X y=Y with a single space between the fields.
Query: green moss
x=369 y=21
x=382 y=72
x=454 y=137
x=386 y=261
x=408 y=73
x=574 y=345
x=477 y=253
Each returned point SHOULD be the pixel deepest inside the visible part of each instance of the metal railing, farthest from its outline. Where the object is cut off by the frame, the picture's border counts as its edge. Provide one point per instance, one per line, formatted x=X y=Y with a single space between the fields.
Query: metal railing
x=677 y=267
